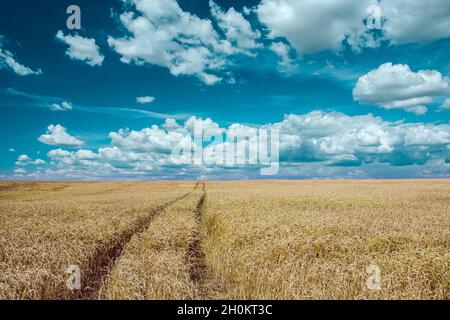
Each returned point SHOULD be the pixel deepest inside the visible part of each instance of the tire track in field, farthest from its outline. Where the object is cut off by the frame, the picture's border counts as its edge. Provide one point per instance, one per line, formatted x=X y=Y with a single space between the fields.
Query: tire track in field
x=195 y=257
x=105 y=259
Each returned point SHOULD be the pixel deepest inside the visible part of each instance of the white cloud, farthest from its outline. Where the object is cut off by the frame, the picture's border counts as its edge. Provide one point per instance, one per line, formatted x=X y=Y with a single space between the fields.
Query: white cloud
x=85 y=155
x=7 y=60
x=416 y=21
x=335 y=138
x=146 y=99
x=57 y=136
x=83 y=49
x=316 y=144
x=59 y=153
x=286 y=64
x=171 y=124
x=314 y=26
x=397 y=87
x=162 y=34
x=237 y=29
x=20 y=171
x=64 y=106
x=147 y=140
x=23 y=157
x=12 y=150
x=446 y=104
x=206 y=124
x=25 y=160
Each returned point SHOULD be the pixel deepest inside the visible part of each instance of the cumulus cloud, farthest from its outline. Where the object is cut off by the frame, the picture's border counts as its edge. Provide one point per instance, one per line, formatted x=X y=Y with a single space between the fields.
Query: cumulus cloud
x=145 y=99
x=316 y=144
x=416 y=21
x=162 y=34
x=57 y=136
x=446 y=105
x=237 y=29
x=24 y=160
x=64 y=106
x=82 y=49
x=286 y=65
x=337 y=138
x=20 y=171
x=397 y=87
x=314 y=26
x=171 y=124
x=7 y=60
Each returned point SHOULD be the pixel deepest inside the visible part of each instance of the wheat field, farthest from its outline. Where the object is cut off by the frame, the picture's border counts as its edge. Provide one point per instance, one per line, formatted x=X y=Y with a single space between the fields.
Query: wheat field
x=226 y=240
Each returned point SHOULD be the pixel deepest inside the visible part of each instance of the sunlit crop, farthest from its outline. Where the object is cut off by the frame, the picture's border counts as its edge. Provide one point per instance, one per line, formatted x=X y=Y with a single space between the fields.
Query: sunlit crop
x=226 y=240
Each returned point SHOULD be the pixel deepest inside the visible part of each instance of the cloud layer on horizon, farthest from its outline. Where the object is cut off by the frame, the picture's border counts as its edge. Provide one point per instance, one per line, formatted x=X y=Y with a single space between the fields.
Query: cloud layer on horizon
x=311 y=145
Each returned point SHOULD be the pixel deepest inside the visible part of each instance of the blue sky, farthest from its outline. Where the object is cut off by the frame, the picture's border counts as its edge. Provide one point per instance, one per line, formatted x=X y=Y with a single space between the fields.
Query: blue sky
x=350 y=101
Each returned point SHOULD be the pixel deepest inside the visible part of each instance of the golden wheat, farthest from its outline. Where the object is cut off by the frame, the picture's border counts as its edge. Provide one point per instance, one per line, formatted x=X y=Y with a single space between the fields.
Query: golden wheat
x=315 y=240
x=247 y=240
x=47 y=227
x=154 y=263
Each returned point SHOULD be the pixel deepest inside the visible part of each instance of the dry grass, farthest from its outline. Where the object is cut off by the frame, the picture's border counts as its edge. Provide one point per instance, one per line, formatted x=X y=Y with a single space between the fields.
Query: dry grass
x=46 y=227
x=154 y=264
x=258 y=240
x=314 y=240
